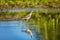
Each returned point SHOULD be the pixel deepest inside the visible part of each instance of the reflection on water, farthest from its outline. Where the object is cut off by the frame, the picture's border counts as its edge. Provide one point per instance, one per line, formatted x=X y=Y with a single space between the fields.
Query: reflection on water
x=43 y=29
x=12 y=30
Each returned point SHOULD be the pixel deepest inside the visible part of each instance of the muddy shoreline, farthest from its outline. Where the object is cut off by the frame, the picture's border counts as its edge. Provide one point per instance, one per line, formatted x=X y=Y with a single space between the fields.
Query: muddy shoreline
x=9 y=19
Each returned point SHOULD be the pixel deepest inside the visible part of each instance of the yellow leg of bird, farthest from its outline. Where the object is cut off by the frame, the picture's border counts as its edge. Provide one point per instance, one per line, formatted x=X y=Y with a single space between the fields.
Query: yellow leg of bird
x=27 y=25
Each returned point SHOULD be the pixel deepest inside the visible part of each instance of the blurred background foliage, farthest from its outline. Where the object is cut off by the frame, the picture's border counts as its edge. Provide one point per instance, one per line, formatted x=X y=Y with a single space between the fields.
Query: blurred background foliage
x=5 y=4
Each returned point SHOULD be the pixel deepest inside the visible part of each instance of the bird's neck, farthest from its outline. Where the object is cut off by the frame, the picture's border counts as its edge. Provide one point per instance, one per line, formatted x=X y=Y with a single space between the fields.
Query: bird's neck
x=30 y=13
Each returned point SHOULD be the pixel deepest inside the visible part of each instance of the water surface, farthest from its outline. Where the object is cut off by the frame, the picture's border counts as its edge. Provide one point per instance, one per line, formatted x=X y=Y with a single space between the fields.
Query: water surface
x=12 y=30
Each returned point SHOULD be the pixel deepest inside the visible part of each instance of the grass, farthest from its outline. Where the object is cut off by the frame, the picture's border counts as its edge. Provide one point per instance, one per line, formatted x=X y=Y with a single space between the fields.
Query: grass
x=6 y=4
x=35 y=15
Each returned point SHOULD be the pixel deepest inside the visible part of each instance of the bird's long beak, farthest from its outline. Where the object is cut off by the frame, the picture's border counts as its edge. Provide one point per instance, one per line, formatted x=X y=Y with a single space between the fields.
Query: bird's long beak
x=31 y=36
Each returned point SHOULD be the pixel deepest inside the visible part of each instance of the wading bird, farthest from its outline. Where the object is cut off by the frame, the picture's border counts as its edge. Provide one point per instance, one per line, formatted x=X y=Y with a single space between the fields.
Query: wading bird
x=27 y=17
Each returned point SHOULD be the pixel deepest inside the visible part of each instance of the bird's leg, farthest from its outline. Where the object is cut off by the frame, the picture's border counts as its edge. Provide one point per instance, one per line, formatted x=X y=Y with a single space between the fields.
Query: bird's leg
x=27 y=25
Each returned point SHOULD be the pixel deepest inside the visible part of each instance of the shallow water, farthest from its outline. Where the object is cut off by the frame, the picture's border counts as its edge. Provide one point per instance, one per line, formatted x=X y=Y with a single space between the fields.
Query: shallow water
x=12 y=30
x=29 y=9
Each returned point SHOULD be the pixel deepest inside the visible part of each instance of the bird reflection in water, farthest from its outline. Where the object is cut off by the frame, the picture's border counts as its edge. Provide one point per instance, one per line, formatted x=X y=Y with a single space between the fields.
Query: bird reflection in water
x=27 y=17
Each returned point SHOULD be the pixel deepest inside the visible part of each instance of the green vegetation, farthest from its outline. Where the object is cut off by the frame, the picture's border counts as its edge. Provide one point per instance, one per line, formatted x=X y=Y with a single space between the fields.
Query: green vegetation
x=47 y=22
x=6 y=4
x=35 y=15
x=12 y=14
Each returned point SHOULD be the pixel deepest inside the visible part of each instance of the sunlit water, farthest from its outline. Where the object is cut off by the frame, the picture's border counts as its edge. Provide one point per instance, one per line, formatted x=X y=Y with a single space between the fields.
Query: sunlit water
x=12 y=30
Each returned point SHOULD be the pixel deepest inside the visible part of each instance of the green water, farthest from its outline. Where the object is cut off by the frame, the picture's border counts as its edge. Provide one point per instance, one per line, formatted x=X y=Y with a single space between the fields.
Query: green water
x=47 y=26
